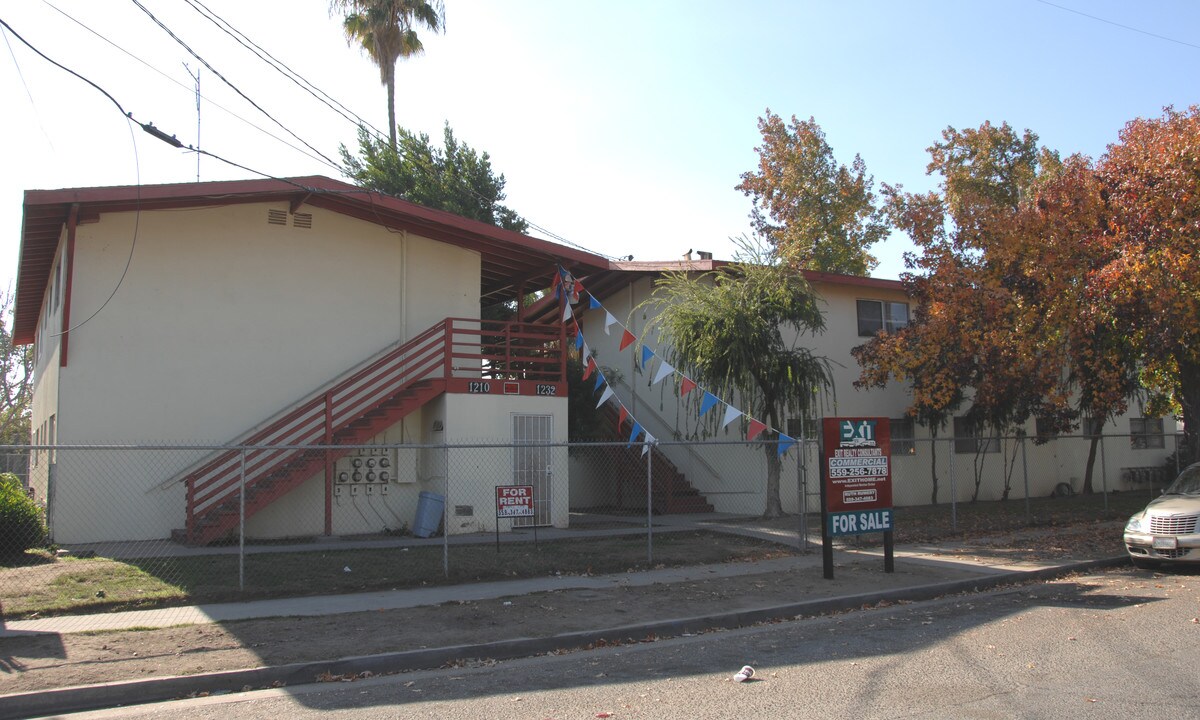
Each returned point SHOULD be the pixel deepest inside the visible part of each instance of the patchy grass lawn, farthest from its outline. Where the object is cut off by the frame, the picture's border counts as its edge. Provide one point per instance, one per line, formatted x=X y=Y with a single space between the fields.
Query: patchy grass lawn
x=43 y=585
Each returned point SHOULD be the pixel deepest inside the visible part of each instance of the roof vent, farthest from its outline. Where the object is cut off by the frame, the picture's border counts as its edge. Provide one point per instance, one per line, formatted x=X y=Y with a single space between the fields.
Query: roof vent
x=704 y=255
x=302 y=220
x=277 y=217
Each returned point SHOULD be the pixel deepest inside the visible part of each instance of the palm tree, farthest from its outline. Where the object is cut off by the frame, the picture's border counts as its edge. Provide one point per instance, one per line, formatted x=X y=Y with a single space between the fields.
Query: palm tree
x=385 y=29
x=727 y=327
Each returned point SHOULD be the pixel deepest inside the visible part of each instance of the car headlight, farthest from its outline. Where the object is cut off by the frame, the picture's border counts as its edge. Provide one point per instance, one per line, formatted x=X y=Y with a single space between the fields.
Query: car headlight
x=1137 y=523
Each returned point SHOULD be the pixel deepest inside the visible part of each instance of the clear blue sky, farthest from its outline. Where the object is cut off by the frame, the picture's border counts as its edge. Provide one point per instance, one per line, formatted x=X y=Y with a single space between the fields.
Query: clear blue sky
x=622 y=126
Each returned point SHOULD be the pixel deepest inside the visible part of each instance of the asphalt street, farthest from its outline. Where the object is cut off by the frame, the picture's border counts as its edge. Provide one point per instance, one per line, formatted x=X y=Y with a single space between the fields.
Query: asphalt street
x=1118 y=644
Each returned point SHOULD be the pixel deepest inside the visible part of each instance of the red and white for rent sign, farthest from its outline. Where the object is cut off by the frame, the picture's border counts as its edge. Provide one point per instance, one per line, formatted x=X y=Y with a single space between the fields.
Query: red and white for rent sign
x=514 y=501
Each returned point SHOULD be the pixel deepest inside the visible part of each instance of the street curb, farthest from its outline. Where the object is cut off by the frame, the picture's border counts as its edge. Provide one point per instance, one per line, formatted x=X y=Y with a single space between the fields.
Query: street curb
x=118 y=694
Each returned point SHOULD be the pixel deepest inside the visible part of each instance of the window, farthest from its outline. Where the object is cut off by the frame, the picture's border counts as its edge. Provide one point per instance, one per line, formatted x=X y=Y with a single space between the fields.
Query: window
x=968 y=438
x=1044 y=429
x=807 y=428
x=903 y=431
x=1146 y=433
x=876 y=315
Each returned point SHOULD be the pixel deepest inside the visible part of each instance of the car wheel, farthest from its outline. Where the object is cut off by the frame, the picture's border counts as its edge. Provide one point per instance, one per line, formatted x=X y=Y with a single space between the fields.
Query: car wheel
x=1144 y=564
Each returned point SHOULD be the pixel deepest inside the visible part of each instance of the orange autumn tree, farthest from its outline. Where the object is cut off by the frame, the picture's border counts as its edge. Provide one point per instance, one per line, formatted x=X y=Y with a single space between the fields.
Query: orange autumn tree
x=977 y=331
x=1150 y=289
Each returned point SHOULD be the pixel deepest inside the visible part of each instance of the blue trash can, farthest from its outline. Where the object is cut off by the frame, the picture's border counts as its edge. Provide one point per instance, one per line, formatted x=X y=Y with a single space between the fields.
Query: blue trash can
x=429 y=514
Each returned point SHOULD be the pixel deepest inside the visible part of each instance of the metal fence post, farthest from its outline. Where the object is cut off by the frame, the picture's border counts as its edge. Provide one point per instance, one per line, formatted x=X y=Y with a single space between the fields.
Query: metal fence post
x=649 y=505
x=445 y=515
x=242 y=523
x=953 y=490
x=802 y=501
x=1103 y=474
x=1025 y=470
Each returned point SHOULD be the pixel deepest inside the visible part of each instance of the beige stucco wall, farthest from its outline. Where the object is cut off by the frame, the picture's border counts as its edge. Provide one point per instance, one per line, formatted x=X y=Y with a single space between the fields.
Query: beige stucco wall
x=473 y=472
x=732 y=477
x=221 y=321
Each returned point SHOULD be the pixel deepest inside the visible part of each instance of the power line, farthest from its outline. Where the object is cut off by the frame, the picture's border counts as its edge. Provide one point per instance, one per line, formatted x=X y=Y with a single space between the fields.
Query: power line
x=225 y=80
x=1117 y=24
x=279 y=66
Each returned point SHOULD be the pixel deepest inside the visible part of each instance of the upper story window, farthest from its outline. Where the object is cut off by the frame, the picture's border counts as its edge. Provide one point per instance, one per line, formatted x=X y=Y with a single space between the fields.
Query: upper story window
x=876 y=315
x=1146 y=433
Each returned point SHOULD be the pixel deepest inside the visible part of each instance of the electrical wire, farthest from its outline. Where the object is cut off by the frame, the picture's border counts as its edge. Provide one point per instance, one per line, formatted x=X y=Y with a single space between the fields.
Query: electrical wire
x=257 y=127
x=280 y=67
x=225 y=80
x=1117 y=24
x=137 y=168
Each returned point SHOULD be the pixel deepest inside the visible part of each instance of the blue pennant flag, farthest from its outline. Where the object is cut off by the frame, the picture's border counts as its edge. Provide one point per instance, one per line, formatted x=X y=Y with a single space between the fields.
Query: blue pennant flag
x=707 y=404
x=785 y=444
x=593 y=303
x=647 y=353
x=579 y=339
x=637 y=430
x=599 y=381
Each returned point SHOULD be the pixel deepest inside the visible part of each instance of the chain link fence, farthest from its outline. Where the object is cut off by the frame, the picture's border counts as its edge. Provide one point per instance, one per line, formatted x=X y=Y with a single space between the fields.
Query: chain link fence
x=140 y=526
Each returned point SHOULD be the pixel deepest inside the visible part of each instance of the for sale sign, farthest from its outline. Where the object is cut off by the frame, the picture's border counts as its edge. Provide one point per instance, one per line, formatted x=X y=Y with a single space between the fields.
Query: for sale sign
x=858 y=475
x=514 y=501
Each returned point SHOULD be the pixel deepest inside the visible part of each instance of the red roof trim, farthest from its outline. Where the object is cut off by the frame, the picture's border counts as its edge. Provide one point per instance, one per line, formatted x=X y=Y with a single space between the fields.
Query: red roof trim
x=508 y=256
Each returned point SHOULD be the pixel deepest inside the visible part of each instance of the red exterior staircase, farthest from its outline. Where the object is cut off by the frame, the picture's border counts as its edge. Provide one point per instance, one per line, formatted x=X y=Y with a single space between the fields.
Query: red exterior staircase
x=355 y=408
x=670 y=492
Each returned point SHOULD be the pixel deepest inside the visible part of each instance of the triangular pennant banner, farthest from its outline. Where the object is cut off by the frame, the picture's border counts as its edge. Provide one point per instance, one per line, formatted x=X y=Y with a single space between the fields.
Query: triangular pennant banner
x=785 y=444
x=627 y=339
x=589 y=368
x=663 y=371
x=577 y=288
x=707 y=403
x=621 y=417
x=650 y=440
x=578 y=339
x=608 y=392
x=599 y=380
x=587 y=351
x=686 y=386
x=647 y=353
x=731 y=414
x=609 y=321
x=755 y=429
x=637 y=429
x=593 y=303
x=566 y=311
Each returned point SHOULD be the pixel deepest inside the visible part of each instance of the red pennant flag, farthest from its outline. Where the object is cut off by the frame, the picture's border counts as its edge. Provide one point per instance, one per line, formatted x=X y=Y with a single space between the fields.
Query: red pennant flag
x=686 y=386
x=755 y=429
x=627 y=339
x=587 y=370
x=621 y=417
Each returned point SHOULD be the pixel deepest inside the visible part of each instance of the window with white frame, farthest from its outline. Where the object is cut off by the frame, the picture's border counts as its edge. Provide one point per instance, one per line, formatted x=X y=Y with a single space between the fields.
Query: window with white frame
x=969 y=439
x=876 y=315
x=903 y=431
x=1146 y=433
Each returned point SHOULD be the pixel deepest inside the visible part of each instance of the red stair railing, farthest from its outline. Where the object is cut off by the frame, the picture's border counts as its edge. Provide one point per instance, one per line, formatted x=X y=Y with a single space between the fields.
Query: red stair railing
x=453 y=348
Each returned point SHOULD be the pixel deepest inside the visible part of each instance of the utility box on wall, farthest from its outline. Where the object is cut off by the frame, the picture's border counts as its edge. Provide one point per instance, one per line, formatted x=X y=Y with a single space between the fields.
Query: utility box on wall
x=368 y=466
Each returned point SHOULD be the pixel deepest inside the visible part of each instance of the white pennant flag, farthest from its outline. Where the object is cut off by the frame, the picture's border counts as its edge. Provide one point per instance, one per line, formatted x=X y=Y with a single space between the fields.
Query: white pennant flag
x=587 y=352
x=663 y=371
x=608 y=392
x=609 y=320
x=650 y=440
x=566 y=312
x=731 y=414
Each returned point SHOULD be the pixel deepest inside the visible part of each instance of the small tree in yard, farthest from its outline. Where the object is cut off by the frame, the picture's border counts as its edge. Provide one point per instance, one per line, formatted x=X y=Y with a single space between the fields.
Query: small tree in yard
x=726 y=328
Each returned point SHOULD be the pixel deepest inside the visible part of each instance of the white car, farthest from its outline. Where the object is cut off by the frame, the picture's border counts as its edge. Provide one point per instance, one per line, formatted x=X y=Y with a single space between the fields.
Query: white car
x=1168 y=530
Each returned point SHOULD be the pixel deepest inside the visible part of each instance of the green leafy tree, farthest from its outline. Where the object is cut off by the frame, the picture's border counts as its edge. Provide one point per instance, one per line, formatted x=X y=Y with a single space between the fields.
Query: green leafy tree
x=819 y=215
x=727 y=328
x=386 y=30
x=454 y=177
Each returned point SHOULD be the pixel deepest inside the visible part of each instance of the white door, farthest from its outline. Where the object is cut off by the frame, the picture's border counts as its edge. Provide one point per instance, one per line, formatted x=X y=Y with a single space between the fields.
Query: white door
x=532 y=464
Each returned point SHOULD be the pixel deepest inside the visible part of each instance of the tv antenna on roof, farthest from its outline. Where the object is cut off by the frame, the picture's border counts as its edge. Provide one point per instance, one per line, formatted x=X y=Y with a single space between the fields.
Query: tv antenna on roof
x=196 y=78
